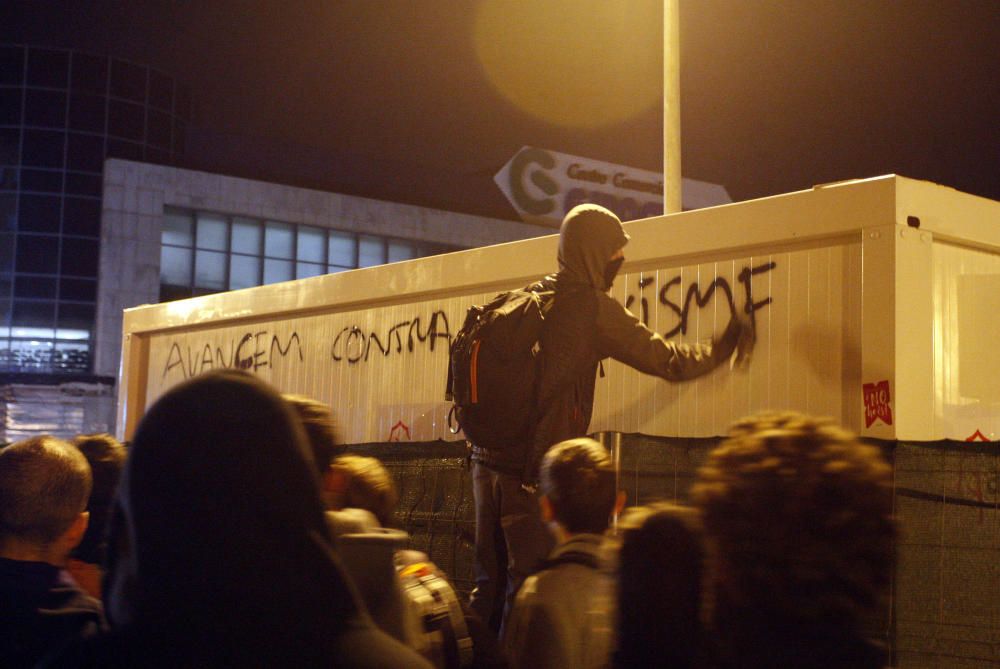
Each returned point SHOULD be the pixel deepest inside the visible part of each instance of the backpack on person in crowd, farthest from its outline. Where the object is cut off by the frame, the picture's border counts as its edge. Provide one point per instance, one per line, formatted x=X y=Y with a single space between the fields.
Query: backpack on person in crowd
x=448 y=644
x=571 y=557
x=493 y=368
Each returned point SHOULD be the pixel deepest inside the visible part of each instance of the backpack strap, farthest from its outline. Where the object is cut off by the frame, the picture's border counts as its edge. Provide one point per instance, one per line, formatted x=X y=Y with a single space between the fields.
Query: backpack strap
x=572 y=557
x=545 y=292
x=449 y=390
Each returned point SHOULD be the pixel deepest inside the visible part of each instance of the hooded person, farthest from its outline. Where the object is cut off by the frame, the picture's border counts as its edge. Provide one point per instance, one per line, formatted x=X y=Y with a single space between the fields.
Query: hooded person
x=220 y=553
x=583 y=326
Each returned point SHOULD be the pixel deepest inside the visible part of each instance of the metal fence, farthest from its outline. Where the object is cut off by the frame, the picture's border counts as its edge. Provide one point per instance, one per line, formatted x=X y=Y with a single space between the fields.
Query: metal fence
x=944 y=606
x=435 y=502
x=947 y=590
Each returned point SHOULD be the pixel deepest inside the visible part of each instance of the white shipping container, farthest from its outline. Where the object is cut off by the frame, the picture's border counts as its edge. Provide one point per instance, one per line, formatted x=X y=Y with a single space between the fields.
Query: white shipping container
x=875 y=302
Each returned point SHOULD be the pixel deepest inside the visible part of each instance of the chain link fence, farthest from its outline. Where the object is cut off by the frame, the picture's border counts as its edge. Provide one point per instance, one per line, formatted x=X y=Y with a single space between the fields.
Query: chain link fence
x=944 y=607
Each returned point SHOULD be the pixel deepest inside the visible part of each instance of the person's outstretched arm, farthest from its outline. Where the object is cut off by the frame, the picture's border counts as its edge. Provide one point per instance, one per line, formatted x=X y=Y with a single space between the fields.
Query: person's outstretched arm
x=623 y=337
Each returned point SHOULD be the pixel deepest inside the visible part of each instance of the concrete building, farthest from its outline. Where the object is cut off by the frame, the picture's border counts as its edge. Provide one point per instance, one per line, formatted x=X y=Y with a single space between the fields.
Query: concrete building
x=169 y=233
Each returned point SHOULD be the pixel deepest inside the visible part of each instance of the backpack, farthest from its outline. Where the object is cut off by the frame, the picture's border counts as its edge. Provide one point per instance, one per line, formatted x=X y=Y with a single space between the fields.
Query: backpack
x=493 y=368
x=447 y=643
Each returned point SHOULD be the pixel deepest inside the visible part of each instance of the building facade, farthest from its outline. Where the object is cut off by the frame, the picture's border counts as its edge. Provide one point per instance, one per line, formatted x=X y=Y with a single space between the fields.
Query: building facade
x=166 y=233
x=169 y=233
x=62 y=113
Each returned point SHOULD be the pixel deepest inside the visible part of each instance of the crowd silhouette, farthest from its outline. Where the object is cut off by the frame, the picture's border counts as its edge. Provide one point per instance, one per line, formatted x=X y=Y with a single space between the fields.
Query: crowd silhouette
x=237 y=531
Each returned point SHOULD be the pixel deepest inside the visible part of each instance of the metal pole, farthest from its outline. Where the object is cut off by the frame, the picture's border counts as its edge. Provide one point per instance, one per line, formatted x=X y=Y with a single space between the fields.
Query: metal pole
x=613 y=442
x=671 y=108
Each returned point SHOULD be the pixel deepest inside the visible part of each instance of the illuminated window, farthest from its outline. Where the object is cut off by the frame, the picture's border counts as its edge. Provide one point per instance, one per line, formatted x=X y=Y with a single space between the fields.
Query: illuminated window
x=203 y=252
x=371 y=251
x=343 y=251
x=244 y=272
x=279 y=240
x=400 y=250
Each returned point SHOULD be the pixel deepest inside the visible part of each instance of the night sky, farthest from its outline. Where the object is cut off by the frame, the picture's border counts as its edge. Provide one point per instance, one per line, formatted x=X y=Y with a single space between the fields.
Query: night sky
x=417 y=100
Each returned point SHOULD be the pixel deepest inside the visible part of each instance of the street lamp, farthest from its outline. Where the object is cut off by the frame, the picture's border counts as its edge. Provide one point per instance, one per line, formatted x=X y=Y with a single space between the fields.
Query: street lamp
x=671 y=108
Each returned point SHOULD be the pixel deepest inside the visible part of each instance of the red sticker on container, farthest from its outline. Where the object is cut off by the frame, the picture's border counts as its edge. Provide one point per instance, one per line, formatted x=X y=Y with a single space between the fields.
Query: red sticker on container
x=878 y=404
x=977 y=436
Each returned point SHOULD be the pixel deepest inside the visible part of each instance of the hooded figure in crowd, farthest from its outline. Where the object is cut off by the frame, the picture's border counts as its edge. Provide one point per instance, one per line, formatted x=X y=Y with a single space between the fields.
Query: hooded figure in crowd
x=583 y=326
x=220 y=553
x=660 y=570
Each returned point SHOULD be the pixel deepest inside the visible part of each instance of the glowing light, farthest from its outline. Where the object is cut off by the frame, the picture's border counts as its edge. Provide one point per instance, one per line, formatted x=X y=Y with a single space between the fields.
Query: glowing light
x=72 y=334
x=32 y=333
x=581 y=63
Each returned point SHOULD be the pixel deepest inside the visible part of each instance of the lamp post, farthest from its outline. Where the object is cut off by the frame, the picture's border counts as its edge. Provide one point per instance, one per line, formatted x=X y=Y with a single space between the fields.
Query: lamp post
x=671 y=108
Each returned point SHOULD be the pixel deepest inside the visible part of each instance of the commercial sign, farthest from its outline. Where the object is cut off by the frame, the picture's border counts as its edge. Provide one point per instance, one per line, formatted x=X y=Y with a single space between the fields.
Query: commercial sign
x=543 y=185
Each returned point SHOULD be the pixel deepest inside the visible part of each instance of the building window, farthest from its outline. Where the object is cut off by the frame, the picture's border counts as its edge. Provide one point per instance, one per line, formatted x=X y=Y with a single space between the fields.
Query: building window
x=90 y=73
x=203 y=252
x=48 y=68
x=371 y=251
x=45 y=108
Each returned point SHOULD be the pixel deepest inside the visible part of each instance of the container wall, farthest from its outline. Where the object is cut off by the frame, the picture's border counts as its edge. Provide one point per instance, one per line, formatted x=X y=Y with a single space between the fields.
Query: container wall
x=383 y=369
x=966 y=294
x=804 y=305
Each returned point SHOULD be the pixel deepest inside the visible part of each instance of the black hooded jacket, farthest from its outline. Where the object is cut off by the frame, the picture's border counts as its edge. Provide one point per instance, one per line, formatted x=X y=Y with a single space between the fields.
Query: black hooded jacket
x=583 y=326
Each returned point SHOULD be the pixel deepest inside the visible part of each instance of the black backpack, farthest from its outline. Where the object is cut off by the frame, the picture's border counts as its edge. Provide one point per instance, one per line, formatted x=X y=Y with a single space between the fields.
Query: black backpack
x=493 y=368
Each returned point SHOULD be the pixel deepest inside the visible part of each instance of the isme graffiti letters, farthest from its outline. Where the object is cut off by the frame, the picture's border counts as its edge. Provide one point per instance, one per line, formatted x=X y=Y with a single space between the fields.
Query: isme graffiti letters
x=354 y=345
x=251 y=352
x=700 y=296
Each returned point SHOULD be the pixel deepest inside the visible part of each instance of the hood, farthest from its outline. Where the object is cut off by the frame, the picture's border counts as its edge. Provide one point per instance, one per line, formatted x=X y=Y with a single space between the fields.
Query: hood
x=219 y=520
x=589 y=236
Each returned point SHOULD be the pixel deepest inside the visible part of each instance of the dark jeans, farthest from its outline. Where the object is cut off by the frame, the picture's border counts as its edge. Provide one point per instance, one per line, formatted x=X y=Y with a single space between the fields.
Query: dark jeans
x=510 y=542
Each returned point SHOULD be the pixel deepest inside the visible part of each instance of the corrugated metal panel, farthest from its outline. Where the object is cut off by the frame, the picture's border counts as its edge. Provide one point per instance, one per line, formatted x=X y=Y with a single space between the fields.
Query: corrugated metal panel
x=383 y=369
x=797 y=362
x=851 y=332
x=966 y=355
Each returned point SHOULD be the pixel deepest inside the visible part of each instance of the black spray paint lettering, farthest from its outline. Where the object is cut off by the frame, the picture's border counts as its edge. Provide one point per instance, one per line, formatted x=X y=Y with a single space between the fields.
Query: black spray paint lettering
x=355 y=345
x=701 y=297
x=251 y=352
x=643 y=302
